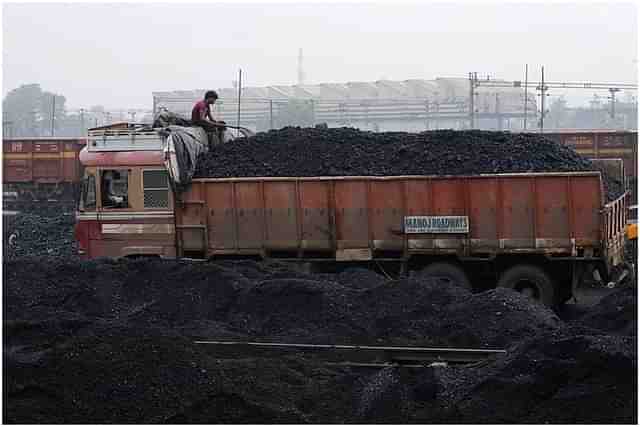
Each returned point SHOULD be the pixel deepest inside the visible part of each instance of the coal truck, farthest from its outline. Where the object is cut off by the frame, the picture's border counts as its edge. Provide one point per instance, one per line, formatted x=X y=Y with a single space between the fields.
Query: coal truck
x=537 y=233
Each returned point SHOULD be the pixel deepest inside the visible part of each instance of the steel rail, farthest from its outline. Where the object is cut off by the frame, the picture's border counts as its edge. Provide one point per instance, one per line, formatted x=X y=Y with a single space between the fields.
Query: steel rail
x=363 y=355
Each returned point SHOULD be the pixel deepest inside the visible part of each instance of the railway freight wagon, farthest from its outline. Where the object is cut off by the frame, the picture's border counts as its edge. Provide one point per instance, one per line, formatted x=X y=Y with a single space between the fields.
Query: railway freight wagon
x=605 y=144
x=539 y=233
x=41 y=172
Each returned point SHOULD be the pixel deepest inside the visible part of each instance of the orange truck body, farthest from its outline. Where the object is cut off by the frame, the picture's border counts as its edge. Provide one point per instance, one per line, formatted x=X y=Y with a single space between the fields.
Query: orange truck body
x=362 y=218
x=483 y=227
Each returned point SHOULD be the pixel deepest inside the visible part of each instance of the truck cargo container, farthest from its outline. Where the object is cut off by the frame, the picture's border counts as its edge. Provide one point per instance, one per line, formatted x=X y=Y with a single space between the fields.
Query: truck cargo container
x=539 y=233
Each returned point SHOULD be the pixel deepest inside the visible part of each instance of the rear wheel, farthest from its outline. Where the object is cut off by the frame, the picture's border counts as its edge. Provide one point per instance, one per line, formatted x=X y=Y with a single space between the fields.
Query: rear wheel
x=530 y=281
x=447 y=273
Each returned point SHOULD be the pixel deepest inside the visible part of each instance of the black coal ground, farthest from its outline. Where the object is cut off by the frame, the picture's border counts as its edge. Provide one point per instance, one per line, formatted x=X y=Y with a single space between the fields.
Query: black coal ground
x=105 y=341
x=112 y=341
x=293 y=151
x=34 y=234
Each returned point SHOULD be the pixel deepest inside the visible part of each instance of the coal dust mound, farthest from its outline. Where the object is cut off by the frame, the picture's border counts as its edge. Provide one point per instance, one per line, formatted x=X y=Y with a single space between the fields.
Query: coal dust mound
x=30 y=234
x=257 y=300
x=559 y=377
x=616 y=313
x=118 y=374
x=109 y=341
x=293 y=151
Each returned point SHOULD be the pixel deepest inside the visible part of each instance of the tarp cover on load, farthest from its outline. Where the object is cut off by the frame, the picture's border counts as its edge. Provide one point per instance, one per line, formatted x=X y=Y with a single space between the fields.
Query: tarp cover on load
x=167 y=118
x=182 y=148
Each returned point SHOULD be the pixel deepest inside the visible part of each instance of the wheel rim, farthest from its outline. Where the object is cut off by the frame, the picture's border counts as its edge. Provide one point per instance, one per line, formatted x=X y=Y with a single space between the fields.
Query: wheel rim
x=528 y=289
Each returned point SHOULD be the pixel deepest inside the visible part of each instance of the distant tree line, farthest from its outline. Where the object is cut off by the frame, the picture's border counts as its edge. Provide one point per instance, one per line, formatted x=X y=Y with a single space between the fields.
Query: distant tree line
x=28 y=111
x=598 y=116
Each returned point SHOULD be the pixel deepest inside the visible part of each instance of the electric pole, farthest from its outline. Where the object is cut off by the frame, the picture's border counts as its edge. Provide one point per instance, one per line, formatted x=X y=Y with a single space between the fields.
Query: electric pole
x=270 y=114
x=526 y=101
x=473 y=78
x=82 y=130
x=613 y=91
x=239 y=97
x=437 y=105
x=53 y=116
x=498 y=116
x=543 y=94
x=300 y=68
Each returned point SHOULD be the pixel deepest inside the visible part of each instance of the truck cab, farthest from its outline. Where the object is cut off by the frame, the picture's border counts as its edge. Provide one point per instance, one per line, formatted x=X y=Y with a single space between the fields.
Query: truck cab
x=126 y=203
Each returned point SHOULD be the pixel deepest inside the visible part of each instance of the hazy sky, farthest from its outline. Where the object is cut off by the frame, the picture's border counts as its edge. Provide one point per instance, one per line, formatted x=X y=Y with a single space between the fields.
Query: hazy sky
x=117 y=54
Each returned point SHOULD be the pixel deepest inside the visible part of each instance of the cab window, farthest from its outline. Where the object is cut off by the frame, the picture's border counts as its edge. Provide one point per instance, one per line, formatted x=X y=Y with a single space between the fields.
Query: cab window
x=88 y=197
x=156 y=189
x=114 y=188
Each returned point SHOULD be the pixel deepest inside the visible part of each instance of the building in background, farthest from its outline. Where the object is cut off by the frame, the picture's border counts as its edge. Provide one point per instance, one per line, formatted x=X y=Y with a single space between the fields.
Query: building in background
x=383 y=105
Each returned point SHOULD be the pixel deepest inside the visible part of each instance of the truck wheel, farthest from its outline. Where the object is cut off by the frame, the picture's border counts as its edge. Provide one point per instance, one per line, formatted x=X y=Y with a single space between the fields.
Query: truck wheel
x=447 y=272
x=531 y=281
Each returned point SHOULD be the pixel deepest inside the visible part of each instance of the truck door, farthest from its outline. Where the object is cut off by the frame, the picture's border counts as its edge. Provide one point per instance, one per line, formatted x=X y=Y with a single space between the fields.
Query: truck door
x=87 y=227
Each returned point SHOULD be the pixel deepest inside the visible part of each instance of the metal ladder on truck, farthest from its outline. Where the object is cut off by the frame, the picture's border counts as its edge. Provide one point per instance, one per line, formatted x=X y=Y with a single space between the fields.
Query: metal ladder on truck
x=190 y=225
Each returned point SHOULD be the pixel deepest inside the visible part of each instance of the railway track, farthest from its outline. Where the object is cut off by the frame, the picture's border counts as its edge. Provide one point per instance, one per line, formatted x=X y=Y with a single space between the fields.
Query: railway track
x=356 y=355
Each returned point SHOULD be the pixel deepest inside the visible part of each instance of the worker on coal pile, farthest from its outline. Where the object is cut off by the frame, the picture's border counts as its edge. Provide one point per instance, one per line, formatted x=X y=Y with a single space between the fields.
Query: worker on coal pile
x=201 y=116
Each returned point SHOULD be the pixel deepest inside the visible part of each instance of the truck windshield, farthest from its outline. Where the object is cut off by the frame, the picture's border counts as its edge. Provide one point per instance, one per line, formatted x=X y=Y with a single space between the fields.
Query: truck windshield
x=114 y=188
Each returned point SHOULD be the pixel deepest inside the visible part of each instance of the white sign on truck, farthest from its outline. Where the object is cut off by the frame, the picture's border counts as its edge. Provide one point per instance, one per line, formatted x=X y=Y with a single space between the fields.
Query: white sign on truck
x=436 y=224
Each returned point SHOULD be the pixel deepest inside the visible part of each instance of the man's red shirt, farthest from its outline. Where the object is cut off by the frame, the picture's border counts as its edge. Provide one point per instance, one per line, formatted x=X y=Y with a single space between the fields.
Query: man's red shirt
x=200 y=111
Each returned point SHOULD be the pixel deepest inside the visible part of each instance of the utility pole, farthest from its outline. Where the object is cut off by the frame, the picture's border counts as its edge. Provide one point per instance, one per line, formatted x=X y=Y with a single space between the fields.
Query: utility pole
x=300 y=68
x=498 y=115
x=82 y=130
x=473 y=78
x=426 y=115
x=53 y=116
x=239 y=96
x=436 y=106
x=613 y=91
x=271 y=114
x=526 y=101
x=543 y=94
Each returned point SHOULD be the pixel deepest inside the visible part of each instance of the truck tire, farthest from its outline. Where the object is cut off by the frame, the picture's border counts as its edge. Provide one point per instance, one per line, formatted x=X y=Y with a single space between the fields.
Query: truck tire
x=448 y=272
x=531 y=281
